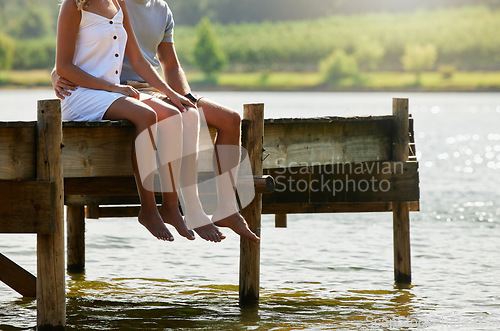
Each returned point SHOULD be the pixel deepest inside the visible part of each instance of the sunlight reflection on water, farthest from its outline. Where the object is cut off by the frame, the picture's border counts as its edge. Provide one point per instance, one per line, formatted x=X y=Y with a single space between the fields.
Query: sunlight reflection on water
x=325 y=271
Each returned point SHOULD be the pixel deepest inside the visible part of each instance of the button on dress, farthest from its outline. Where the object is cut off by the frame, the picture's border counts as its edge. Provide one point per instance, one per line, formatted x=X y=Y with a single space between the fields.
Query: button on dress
x=99 y=50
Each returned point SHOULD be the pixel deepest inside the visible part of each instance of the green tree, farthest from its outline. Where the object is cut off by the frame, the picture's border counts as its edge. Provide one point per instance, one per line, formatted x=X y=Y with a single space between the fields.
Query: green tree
x=32 y=23
x=418 y=58
x=368 y=54
x=207 y=54
x=7 y=48
x=337 y=67
x=35 y=54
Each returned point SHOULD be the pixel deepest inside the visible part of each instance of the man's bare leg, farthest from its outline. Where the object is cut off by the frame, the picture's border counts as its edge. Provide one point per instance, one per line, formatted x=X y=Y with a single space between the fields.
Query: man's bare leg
x=180 y=174
x=227 y=123
x=194 y=215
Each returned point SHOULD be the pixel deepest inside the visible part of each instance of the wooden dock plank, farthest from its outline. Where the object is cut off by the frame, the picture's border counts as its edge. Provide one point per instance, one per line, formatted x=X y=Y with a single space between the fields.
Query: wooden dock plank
x=320 y=142
x=334 y=207
x=18 y=150
x=357 y=182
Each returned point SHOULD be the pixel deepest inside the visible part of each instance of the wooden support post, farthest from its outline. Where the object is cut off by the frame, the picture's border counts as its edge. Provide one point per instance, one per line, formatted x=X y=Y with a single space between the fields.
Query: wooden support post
x=76 y=238
x=252 y=140
x=92 y=212
x=280 y=221
x=17 y=278
x=401 y=210
x=50 y=288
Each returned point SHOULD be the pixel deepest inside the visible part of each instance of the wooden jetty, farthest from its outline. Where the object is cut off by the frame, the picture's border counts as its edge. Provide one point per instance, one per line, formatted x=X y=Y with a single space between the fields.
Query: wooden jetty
x=319 y=165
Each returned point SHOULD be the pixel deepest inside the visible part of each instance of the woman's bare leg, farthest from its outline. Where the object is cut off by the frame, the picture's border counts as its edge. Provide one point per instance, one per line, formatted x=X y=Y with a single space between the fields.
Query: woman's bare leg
x=144 y=118
x=169 y=163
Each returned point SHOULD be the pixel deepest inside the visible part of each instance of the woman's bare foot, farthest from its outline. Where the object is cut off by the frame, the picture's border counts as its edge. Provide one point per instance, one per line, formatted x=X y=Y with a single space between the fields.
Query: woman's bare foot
x=237 y=223
x=202 y=225
x=210 y=232
x=154 y=223
x=173 y=217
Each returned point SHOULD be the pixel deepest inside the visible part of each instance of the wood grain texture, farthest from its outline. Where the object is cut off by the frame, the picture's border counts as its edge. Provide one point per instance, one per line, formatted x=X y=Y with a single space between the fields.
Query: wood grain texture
x=280 y=220
x=75 y=238
x=298 y=143
x=26 y=207
x=17 y=278
x=252 y=138
x=360 y=182
x=51 y=283
x=18 y=150
x=334 y=207
x=401 y=213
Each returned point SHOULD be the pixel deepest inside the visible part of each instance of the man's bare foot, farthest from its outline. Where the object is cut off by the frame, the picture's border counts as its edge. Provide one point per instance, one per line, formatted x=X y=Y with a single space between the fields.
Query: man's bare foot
x=154 y=223
x=237 y=223
x=173 y=217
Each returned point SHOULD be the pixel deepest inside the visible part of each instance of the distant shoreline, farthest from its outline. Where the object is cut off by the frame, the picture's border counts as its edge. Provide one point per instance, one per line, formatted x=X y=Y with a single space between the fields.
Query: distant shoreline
x=299 y=82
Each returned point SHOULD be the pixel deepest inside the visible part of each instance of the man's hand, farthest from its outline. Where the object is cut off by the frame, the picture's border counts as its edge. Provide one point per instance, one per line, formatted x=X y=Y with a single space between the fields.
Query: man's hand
x=180 y=101
x=62 y=86
x=125 y=90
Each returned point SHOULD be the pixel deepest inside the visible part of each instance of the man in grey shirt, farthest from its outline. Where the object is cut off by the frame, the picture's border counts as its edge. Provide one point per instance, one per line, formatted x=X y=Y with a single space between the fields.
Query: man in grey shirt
x=153 y=26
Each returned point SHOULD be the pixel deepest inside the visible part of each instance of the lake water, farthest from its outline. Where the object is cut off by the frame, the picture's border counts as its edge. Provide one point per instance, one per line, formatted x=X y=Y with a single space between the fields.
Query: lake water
x=325 y=271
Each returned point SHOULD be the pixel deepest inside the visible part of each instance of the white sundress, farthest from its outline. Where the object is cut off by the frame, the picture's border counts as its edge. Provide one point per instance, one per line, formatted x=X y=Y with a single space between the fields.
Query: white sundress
x=99 y=50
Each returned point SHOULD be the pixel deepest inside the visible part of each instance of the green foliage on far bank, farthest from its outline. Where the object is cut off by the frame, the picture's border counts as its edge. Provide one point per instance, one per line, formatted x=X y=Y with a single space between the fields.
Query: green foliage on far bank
x=6 y=51
x=207 y=53
x=466 y=38
x=305 y=81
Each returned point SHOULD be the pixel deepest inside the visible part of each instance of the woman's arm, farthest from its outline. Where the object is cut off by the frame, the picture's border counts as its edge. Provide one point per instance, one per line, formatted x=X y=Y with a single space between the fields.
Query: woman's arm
x=67 y=30
x=144 y=68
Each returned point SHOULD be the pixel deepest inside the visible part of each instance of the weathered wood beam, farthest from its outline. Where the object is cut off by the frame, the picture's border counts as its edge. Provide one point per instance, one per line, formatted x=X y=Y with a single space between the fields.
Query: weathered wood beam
x=17 y=278
x=355 y=182
x=280 y=221
x=26 y=207
x=336 y=140
x=401 y=213
x=51 y=282
x=334 y=207
x=18 y=150
x=252 y=137
x=76 y=238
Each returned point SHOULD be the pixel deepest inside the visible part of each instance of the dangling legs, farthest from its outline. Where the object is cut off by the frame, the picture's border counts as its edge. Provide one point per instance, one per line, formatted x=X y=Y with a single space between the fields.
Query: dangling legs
x=169 y=153
x=227 y=123
x=195 y=216
x=144 y=118
x=178 y=161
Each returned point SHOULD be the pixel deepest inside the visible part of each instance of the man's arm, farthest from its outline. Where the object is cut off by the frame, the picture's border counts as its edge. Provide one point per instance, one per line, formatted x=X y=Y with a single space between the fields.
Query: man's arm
x=172 y=70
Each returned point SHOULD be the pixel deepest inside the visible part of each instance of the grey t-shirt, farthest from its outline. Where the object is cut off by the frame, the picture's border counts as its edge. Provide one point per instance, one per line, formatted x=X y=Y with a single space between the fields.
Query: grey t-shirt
x=153 y=23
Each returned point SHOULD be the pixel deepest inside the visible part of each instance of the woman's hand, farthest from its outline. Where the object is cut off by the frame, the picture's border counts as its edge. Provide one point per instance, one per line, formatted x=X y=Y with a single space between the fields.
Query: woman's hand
x=126 y=90
x=180 y=101
x=62 y=86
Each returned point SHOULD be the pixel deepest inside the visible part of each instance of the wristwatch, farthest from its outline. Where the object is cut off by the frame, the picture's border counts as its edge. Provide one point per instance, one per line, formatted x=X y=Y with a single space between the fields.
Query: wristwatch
x=191 y=97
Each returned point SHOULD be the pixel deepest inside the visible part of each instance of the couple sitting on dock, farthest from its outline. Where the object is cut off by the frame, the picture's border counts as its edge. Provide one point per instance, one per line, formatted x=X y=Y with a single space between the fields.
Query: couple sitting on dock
x=90 y=78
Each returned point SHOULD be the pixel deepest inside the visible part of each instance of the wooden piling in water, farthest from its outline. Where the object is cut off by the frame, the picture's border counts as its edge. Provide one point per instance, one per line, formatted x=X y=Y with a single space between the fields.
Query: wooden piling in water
x=252 y=141
x=76 y=238
x=50 y=289
x=401 y=210
x=31 y=177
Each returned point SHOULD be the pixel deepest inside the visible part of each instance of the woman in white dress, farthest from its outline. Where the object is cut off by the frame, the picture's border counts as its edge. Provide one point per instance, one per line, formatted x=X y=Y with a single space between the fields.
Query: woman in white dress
x=93 y=37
